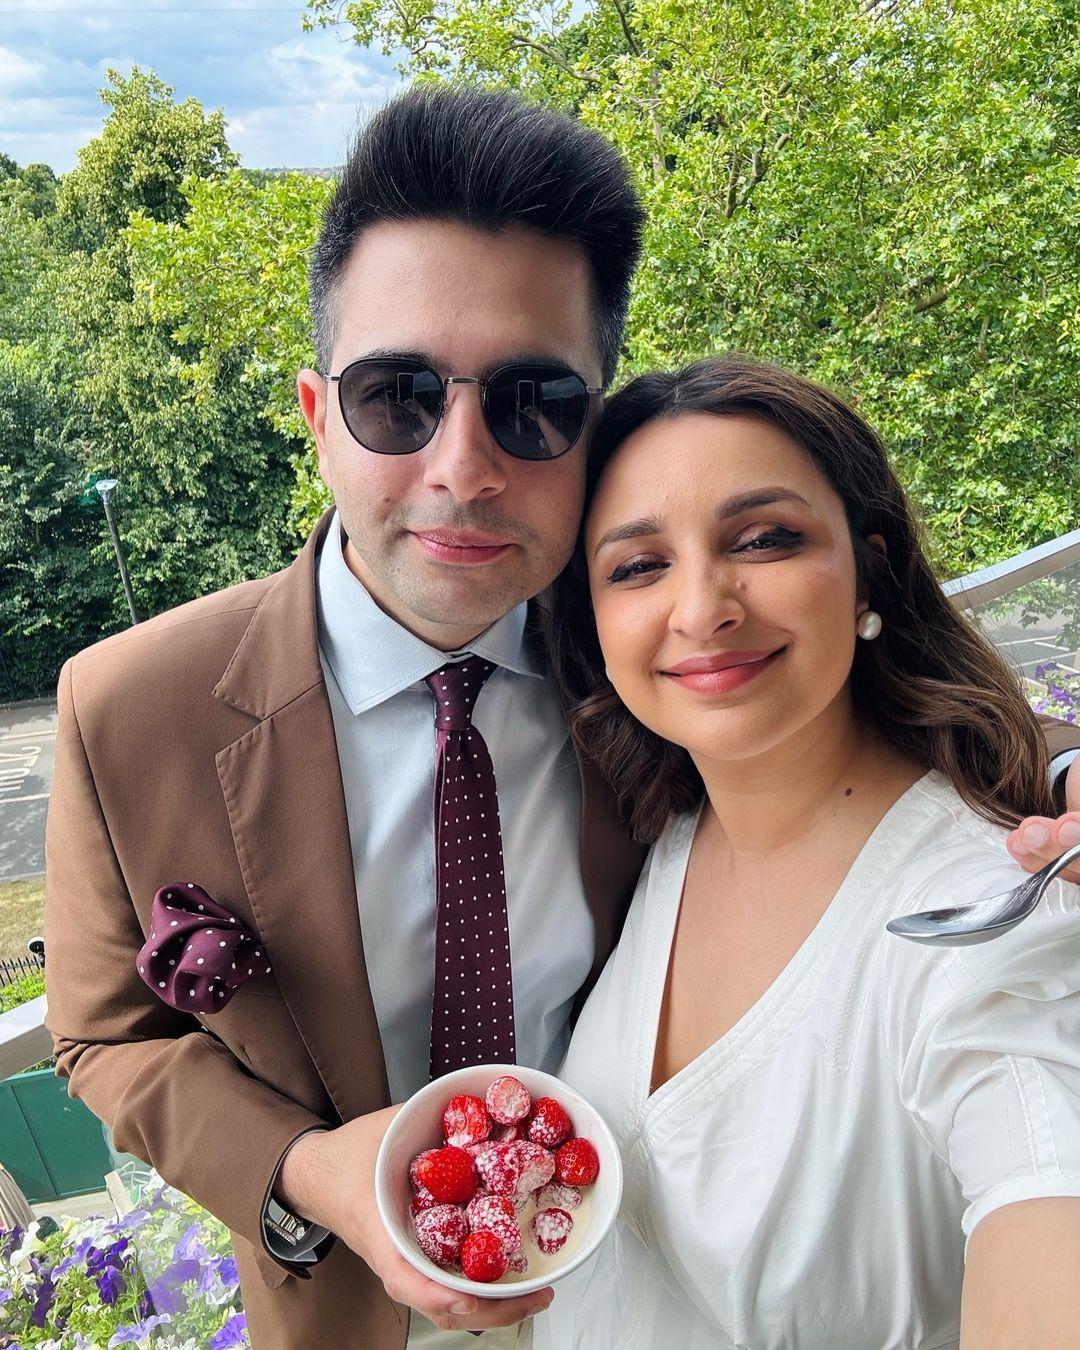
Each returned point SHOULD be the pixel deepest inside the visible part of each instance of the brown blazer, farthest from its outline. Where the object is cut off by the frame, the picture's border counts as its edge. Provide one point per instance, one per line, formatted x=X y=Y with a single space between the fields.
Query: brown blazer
x=199 y=746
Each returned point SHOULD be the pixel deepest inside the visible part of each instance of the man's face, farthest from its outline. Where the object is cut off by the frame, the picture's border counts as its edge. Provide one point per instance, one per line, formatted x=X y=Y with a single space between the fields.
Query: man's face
x=453 y=536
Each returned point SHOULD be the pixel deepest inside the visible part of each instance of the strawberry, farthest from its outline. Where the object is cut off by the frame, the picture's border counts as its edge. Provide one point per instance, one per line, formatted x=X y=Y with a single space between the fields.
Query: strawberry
x=424 y=1200
x=494 y=1214
x=548 y=1123
x=551 y=1228
x=440 y=1233
x=537 y=1164
x=413 y=1180
x=465 y=1121
x=448 y=1173
x=483 y=1257
x=519 y=1262
x=507 y=1100
x=558 y=1196
x=576 y=1163
x=499 y=1168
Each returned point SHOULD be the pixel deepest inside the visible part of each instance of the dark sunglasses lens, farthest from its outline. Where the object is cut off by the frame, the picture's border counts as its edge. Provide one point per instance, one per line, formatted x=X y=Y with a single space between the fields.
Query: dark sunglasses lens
x=391 y=407
x=536 y=412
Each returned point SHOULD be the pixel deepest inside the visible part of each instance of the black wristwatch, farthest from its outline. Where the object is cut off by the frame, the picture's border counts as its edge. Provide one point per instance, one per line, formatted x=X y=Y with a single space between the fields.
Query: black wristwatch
x=293 y=1241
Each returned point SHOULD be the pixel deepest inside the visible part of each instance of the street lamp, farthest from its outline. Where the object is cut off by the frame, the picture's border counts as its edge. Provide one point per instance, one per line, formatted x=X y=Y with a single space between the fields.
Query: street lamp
x=105 y=487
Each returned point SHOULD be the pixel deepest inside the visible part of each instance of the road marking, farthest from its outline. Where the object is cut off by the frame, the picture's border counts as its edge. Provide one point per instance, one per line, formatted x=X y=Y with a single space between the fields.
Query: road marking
x=37 y=797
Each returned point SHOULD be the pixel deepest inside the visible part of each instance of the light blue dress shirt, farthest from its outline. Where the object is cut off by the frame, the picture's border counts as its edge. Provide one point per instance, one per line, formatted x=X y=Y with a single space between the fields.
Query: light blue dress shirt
x=384 y=723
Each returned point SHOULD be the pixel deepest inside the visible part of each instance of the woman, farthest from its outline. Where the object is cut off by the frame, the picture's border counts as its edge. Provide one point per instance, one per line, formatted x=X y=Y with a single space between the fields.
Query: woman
x=814 y=1115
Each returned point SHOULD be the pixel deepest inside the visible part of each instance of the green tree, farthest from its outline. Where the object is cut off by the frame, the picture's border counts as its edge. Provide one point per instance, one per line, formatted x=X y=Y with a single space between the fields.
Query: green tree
x=147 y=147
x=879 y=194
x=93 y=382
x=230 y=280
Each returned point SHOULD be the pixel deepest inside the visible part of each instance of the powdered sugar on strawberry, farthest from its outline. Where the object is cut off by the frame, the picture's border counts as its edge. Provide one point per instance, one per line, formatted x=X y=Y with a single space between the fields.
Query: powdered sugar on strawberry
x=551 y=1228
x=440 y=1233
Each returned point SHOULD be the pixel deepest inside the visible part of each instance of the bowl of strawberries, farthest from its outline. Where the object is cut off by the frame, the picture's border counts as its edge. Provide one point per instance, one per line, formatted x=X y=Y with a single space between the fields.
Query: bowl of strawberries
x=497 y=1180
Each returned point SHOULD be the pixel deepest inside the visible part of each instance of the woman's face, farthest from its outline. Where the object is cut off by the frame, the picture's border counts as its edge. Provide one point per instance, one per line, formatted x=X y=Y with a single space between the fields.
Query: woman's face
x=723 y=583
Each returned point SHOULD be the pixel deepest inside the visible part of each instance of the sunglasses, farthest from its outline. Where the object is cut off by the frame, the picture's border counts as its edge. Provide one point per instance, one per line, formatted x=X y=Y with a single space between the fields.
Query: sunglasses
x=394 y=406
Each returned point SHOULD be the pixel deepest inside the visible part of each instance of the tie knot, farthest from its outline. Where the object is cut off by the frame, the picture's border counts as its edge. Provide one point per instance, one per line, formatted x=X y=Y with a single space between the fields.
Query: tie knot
x=456 y=689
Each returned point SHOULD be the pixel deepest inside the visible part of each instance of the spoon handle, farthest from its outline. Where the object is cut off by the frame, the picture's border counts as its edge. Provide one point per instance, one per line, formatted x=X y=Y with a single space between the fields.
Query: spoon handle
x=1046 y=874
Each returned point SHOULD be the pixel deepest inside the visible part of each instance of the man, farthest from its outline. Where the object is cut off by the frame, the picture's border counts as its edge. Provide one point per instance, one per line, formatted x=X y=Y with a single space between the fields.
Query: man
x=272 y=744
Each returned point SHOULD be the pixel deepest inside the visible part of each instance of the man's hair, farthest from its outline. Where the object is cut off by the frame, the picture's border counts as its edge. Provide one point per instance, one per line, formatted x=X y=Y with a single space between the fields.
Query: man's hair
x=487 y=160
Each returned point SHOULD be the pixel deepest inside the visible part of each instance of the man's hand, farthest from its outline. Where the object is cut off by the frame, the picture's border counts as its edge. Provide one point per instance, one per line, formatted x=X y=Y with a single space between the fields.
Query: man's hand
x=1039 y=840
x=329 y=1177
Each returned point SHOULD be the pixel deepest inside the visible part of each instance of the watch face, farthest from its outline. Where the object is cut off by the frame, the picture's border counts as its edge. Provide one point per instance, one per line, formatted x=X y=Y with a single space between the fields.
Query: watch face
x=285 y=1224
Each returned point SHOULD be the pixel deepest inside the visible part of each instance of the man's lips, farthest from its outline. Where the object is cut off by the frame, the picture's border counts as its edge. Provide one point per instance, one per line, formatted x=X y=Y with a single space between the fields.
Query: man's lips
x=720 y=671
x=459 y=546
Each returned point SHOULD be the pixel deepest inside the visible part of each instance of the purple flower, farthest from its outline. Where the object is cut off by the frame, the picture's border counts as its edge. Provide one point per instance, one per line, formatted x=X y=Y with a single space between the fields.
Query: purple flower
x=166 y=1297
x=182 y=1271
x=10 y=1241
x=145 y=1305
x=233 y=1333
x=45 y=1295
x=130 y=1223
x=227 y=1272
x=111 y=1284
x=126 y=1335
x=189 y=1245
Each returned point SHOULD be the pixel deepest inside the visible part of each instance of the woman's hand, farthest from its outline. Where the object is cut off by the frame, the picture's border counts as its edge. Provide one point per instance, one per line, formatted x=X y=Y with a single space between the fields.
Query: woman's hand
x=1039 y=840
x=329 y=1176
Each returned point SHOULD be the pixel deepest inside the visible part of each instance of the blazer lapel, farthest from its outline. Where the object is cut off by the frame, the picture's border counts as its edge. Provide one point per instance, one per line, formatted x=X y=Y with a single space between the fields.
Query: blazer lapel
x=282 y=786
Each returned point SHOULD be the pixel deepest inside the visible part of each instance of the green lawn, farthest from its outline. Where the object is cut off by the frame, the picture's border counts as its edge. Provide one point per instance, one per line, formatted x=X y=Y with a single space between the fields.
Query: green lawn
x=21 y=907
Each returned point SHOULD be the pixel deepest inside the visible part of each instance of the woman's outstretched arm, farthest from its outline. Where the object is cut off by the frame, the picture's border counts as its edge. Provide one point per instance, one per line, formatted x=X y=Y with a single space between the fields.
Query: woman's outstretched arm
x=1022 y=1282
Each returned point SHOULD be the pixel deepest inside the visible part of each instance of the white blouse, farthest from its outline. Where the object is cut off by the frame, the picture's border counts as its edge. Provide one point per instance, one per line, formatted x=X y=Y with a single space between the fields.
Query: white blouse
x=808 y=1181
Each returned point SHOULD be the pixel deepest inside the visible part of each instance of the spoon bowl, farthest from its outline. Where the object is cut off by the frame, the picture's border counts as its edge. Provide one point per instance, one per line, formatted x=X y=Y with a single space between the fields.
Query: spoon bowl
x=983 y=920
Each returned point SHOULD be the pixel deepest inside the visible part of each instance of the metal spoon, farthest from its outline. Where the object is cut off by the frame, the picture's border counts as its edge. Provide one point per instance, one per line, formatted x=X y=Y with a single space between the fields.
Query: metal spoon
x=984 y=919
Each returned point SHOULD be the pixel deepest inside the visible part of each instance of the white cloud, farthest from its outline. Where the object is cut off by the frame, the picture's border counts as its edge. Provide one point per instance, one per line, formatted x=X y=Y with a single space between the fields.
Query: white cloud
x=290 y=98
x=18 y=74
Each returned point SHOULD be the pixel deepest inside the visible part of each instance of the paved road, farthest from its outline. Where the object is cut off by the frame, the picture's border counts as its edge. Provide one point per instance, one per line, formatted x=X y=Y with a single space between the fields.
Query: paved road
x=27 y=741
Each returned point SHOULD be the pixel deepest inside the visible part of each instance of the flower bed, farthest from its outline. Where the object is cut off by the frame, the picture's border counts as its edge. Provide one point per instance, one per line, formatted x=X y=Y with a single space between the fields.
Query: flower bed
x=1055 y=691
x=163 y=1276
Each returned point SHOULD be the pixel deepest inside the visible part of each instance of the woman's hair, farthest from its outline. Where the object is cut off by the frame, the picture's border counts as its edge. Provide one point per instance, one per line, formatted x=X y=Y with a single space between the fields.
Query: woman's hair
x=931 y=683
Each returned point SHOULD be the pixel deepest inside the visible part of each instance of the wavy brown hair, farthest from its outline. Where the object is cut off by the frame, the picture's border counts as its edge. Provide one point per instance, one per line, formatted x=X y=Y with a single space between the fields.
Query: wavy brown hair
x=931 y=683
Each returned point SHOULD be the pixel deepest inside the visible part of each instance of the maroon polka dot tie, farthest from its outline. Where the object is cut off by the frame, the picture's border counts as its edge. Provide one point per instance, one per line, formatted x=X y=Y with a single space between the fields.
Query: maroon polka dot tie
x=472 y=1013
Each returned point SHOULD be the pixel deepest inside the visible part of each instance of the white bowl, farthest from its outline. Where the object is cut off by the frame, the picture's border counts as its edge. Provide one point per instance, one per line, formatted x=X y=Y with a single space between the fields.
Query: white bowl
x=418 y=1126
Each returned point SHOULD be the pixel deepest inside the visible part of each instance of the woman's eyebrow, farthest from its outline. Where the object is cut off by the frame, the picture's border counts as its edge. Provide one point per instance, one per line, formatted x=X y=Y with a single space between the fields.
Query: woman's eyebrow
x=743 y=501
x=633 y=529
x=748 y=501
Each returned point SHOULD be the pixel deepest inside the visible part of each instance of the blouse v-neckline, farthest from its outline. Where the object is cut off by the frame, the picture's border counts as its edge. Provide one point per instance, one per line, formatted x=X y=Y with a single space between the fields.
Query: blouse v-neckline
x=768 y=1018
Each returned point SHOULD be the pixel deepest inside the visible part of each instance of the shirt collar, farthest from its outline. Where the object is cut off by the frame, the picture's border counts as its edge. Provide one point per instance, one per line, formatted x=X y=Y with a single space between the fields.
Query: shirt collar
x=373 y=657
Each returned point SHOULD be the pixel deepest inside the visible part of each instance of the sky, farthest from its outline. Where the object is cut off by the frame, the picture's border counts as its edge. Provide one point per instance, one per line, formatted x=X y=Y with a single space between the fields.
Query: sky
x=291 y=99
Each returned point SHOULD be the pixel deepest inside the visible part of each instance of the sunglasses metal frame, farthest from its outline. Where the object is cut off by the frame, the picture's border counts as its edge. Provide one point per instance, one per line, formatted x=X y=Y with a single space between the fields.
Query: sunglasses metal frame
x=444 y=382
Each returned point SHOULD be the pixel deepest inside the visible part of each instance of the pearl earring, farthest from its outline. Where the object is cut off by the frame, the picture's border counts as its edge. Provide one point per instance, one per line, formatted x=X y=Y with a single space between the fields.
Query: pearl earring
x=869 y=625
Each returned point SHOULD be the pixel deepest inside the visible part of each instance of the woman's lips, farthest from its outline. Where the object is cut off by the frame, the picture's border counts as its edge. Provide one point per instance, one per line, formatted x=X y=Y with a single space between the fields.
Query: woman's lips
x=722 y=674
x=446 y=547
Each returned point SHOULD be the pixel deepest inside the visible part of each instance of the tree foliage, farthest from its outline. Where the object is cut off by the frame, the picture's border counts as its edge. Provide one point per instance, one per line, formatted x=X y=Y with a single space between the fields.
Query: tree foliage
x=93 y=382
x=878 y=193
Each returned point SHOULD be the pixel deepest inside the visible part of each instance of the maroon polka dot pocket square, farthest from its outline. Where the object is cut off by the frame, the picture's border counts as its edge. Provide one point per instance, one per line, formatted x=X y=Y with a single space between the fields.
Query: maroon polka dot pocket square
x=197 y=954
